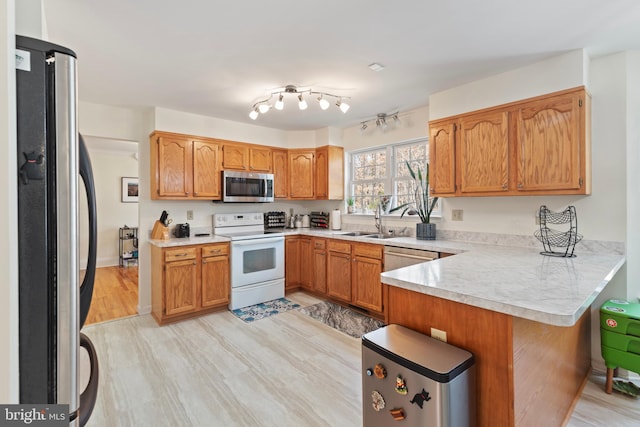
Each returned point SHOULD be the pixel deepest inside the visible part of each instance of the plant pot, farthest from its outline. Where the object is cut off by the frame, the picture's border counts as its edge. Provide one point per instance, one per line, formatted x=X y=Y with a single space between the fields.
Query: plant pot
x=351 y=209
x=425 y=231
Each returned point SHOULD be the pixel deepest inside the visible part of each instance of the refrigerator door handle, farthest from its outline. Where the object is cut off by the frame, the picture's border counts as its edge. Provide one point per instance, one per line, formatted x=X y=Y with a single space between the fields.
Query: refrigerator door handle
x=89 y=396
x=86 y=289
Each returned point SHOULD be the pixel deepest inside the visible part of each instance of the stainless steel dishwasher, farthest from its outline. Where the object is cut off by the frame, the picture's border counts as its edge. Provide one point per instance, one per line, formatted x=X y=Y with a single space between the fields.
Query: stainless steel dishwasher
x=395 y=257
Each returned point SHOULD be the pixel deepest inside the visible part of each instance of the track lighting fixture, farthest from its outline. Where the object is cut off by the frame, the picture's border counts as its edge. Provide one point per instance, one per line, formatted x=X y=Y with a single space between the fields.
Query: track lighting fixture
x=381 y=121
x=263 y=106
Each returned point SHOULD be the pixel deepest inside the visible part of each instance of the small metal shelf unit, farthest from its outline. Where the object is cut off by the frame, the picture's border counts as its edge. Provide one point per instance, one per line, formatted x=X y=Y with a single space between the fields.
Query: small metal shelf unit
x=128 y=246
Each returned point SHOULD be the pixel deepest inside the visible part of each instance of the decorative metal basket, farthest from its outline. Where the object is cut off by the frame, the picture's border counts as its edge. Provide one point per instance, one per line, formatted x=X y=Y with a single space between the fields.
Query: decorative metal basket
x=558 y=239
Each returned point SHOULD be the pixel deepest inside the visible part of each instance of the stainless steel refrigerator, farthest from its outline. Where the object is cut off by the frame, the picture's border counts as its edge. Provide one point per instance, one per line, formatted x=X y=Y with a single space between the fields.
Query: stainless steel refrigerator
x=53 y=302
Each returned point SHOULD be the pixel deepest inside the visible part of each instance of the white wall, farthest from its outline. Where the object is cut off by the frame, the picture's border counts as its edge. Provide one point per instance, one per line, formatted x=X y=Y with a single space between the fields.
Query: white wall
x=557 y=73
x=633 y=174
x=8 y=215
x=109 y=166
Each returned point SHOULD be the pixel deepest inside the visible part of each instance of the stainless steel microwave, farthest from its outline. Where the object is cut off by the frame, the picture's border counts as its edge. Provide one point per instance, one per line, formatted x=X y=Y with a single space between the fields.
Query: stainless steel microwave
x=247 y=187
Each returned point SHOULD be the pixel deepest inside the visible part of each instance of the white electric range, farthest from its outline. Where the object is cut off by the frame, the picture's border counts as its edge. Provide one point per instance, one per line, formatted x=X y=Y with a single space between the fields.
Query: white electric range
x=257 y=258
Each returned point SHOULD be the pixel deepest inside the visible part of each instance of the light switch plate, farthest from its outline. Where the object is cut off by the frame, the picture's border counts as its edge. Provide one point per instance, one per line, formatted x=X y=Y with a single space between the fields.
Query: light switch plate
x=189 y=215
x=456 y=214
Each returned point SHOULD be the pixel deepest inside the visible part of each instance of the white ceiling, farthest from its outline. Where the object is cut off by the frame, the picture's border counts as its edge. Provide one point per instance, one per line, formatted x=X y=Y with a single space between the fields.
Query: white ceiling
x=216 y=58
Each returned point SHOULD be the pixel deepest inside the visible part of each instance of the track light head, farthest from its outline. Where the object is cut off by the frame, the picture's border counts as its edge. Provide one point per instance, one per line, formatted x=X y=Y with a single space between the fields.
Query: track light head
x=264 y=108
x=254 y=114
x=302 y=104
x=280 y=102
x=324 y=104
x=343 y=106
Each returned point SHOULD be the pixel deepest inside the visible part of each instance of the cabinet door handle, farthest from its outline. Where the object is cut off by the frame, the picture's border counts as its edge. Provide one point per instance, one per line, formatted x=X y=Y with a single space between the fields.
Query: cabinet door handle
x=183 y=254
x=195 y=193
x=520 y=185
x=504 y=186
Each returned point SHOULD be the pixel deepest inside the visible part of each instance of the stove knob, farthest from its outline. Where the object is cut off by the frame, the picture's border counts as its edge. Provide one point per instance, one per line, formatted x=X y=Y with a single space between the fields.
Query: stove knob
x=369 y=372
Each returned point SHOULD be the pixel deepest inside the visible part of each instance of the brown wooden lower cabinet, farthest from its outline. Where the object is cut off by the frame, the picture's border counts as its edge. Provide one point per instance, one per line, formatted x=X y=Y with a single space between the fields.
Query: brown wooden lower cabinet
x=188 y=280
x=306 y=263
x=339 y=271
x=291 y=263
x=527 y=373
x=320 y=265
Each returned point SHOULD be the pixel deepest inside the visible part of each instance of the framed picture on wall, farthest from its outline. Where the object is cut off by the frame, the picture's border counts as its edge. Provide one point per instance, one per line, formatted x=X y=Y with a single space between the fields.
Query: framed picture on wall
x=129 y=190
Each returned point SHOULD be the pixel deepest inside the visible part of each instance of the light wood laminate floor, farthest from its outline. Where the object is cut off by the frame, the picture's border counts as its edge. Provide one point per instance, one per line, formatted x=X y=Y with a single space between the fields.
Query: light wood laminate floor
x=285 y=370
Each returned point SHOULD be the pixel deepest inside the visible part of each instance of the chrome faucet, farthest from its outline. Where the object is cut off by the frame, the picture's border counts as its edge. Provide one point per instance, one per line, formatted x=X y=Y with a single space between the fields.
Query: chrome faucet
x=378 y=219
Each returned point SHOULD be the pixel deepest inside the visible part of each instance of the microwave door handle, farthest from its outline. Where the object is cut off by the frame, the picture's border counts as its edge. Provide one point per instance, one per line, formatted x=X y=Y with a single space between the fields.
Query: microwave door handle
x=264 y=187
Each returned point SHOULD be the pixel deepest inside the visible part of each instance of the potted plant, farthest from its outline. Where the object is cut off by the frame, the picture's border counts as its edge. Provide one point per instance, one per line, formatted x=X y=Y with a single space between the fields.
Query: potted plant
x=422 y=204
x=350 y=205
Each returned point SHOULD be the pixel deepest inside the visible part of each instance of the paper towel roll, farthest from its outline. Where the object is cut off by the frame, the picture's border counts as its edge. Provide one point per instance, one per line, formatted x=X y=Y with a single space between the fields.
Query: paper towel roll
x=336 y=219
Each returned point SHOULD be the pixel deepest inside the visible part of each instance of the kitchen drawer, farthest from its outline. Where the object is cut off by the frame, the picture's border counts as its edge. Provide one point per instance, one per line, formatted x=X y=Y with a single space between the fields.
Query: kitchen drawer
x=319 y=244
x=179 y=254
x=620 y=317
x=215 y=250
x=369 y=251
x=627 y=343
x=614 y=358
x=339 y=246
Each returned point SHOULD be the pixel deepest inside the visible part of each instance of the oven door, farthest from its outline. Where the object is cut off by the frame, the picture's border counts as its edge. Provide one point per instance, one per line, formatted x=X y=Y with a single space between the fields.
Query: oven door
x=256 y=260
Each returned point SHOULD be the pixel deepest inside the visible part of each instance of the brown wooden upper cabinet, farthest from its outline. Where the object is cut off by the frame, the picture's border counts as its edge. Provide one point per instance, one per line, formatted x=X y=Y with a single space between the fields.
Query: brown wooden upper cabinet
x=442 y=152
x=329 y=173
x=246 y=157
x=302 y=165
x=235 y=156
x=484 y=152
x=184 y=167
x=260 y=159
x=538 y=146
x=280 y=174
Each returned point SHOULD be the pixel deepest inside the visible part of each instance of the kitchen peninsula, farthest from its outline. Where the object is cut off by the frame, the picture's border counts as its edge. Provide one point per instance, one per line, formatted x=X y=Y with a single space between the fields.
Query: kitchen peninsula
x=526 y=317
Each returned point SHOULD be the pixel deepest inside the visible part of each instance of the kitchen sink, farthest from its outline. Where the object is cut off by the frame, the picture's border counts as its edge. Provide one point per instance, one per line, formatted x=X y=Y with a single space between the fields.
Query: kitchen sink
x=380 y=236
x=357 y=233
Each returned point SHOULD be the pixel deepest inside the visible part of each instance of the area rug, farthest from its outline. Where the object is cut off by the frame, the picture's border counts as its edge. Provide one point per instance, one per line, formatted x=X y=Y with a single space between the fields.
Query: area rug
x=264 y=309
x=341 y=318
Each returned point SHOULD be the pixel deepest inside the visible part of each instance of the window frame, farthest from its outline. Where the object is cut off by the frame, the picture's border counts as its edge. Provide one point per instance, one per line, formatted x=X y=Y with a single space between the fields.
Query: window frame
x=392 y=177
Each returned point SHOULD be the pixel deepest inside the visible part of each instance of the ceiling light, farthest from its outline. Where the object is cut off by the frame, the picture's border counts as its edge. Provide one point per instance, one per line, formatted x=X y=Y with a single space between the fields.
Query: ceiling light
x=343 y=106
x=263 y=106
x=376 y=67
x=280 y=103
x=381 y=121
x=324 y=104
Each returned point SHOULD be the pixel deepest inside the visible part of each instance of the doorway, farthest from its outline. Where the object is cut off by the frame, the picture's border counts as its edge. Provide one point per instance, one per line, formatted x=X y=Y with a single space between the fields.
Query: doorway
x=115 y=292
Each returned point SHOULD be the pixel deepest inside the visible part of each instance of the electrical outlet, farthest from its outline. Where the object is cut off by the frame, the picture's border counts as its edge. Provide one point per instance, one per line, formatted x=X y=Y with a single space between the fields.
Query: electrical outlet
x=189 y=215
x=438 y=334
x=456 y=214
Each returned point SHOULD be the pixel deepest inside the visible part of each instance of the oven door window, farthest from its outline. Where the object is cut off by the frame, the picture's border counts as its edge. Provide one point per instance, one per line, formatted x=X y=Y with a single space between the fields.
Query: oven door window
x=255 y=261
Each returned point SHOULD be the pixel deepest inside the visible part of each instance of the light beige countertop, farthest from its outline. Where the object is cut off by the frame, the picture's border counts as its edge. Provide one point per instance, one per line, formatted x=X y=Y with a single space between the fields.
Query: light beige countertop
x=513 y=280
